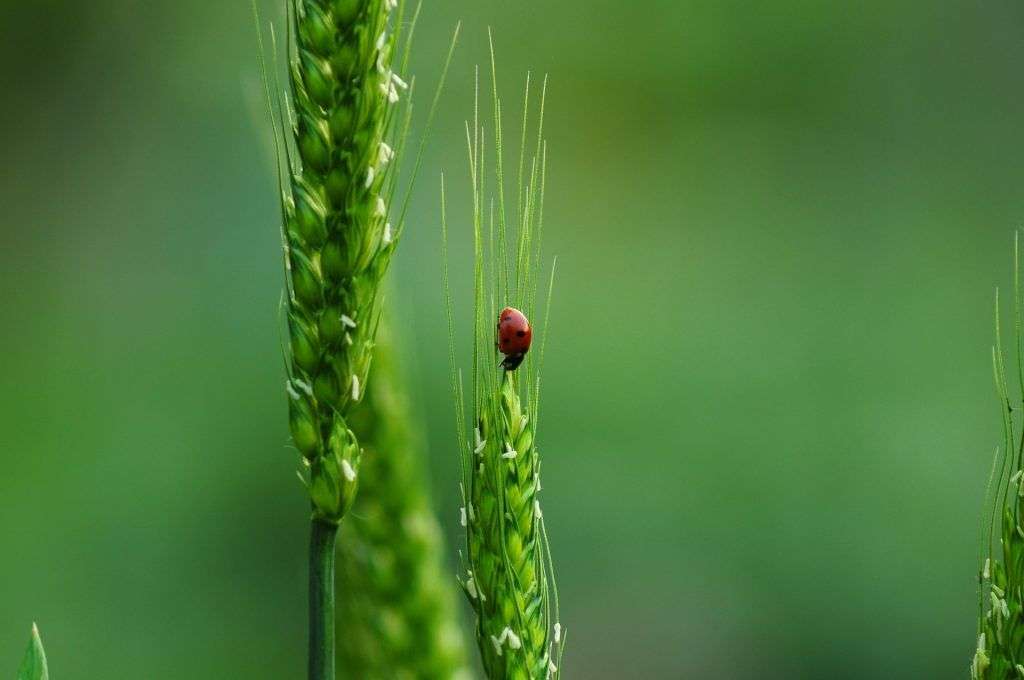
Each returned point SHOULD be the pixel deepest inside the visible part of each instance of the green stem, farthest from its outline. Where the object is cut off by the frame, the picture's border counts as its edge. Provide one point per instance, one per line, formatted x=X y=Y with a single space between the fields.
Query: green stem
x=321 y=600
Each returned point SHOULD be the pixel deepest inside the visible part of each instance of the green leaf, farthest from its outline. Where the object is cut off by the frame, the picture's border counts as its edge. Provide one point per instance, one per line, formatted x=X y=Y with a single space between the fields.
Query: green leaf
x=33 y=666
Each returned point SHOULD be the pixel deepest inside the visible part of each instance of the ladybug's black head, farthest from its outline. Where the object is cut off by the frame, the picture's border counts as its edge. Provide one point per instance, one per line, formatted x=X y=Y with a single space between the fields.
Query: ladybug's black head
x=512 y=361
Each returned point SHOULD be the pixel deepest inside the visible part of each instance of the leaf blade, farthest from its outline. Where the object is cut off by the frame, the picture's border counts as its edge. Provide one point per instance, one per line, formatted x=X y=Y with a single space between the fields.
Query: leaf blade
x=33 y=665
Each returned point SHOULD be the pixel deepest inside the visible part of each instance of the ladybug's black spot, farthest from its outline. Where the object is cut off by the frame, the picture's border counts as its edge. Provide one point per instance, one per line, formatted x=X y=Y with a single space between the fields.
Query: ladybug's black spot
x=521 y=334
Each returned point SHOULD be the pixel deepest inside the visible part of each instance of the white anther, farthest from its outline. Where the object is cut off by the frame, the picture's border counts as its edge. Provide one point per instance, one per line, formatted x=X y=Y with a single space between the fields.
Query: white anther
x=510 y=453
x=348 y=339
x=558 y=633
x=346 y=469
x=552 y=668
x=480 y=443
x=513 y=640
x=386 y=154
x=998 y=605
x=471 y=588
x=355 y=387
x=389 y=90
x=985 y=574
x=370 y=174
x=399 y=82
x=387 y=233
x=382 y=208
x=383 y=38
x=348 y=321
x=291 y=390
x=506 y=636
x=536 y=509
x=462 y=516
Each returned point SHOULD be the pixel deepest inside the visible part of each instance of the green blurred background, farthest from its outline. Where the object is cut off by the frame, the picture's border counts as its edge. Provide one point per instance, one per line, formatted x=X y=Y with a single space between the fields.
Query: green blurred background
x=769 y=413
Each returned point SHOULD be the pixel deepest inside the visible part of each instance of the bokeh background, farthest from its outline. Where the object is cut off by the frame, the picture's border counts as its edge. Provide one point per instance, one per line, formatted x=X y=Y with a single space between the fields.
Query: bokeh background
x=769 y=413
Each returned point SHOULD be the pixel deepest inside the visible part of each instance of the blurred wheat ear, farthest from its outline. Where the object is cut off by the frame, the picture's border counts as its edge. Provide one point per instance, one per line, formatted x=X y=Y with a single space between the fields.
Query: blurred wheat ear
x=338 y=147
x=508 y=579
x=1000 y=643
x=397 y=600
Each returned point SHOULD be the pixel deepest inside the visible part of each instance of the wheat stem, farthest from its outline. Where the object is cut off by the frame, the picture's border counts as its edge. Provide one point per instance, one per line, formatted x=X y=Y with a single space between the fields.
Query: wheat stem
x=321 y=599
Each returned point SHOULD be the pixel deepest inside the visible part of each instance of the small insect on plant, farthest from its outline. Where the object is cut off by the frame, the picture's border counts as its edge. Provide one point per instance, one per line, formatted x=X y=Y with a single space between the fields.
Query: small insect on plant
x=507 y=574
x=513 y=337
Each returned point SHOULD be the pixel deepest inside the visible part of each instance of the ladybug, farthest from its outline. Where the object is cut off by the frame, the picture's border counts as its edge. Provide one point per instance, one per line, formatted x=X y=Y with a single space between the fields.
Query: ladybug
x=514 y=336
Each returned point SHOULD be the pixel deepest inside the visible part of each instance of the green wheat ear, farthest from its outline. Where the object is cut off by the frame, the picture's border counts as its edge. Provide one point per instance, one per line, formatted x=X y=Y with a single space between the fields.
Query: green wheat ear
x=508 y=577
x=338 y=145
x=338 y=238
x=1000 y=644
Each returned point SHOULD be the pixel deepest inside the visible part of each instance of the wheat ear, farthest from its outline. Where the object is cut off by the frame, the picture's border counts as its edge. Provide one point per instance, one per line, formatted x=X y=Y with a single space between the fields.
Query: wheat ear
x=396 y=599
x=338 y=242
x=336 y=153
x=508 y=577
x=1000 y=643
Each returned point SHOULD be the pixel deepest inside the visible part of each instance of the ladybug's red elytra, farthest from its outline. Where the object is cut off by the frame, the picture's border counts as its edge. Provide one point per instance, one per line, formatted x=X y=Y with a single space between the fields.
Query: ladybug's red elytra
x=514 y=336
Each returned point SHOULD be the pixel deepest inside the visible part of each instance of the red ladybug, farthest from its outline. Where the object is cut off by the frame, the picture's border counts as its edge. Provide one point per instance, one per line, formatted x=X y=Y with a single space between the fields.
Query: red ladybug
x=514 y=336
